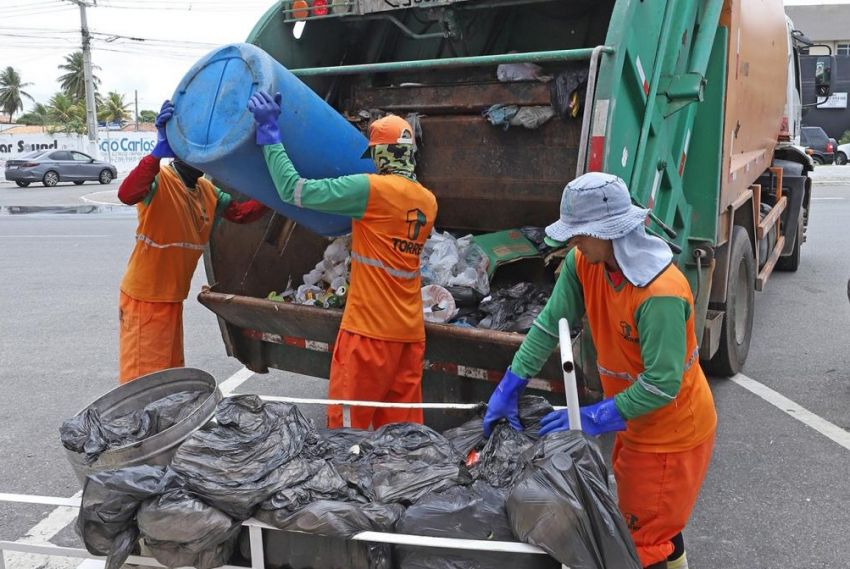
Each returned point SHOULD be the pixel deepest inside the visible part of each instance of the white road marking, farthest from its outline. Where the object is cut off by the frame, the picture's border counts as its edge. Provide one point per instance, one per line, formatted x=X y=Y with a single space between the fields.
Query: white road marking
x=86 y=198
x=231 y=384
x=59 y=518
x=821 y=425
x=43 y=531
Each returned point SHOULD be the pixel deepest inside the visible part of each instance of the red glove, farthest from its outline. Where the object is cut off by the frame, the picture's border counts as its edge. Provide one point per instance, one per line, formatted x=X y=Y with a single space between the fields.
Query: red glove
x=244 y=212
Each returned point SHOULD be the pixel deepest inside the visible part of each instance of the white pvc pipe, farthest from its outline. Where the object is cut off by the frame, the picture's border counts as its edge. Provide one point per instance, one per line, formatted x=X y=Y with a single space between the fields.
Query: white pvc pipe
x=568 y=366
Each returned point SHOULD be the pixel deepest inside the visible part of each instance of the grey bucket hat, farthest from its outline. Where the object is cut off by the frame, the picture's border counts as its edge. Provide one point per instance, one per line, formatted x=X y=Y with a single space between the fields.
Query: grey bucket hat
x=597 y=205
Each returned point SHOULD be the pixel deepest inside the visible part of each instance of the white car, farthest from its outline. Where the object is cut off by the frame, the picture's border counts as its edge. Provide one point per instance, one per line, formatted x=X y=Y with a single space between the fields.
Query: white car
x=842 y=153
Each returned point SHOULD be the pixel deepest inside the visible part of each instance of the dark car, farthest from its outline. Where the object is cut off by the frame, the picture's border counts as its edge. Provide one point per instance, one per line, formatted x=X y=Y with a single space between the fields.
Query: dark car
x=823 y=147
x=53 y=166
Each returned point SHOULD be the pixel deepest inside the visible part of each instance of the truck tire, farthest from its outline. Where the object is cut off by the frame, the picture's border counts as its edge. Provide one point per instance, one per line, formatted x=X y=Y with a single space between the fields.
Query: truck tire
x=737 y=327
x=792 y=262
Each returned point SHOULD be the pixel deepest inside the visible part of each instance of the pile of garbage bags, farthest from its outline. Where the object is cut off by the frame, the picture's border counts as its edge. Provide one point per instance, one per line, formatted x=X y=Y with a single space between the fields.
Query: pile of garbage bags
x=265 y=460
x=91 y=434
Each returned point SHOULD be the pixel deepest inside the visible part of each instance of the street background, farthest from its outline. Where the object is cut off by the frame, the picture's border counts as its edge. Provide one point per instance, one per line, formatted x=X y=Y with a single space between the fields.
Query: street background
x=776 y=492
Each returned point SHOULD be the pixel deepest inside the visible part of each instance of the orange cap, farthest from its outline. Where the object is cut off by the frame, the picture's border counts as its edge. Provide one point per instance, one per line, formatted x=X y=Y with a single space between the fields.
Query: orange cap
x=391 y=129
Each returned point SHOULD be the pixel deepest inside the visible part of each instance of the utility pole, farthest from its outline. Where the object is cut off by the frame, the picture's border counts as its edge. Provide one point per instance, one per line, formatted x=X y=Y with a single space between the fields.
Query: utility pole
x=91 y=111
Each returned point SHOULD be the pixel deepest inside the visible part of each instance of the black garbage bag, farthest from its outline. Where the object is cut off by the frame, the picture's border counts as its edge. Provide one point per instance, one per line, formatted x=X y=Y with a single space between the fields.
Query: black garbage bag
x=561 y=503
x=107 y=519
x=347 y=450
x=504 y=308
x=309 y=480
x=91 y=434
x=238 y=462
x=182 y=531
x=470 y=435
x=463 y=512
x=568 y=90
x=408 y=461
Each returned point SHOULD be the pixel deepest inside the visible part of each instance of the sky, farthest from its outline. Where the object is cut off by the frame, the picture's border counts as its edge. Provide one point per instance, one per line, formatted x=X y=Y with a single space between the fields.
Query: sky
x=35 y=35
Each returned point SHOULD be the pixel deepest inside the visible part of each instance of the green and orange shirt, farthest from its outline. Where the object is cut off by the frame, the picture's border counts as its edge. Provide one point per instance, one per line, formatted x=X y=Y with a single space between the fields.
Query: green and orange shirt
x=392 y=218
x=647 y=352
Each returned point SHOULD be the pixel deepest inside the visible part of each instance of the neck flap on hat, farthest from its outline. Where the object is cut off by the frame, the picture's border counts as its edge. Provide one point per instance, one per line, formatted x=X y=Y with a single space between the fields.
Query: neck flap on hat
x=641 y=257
x=395 y=159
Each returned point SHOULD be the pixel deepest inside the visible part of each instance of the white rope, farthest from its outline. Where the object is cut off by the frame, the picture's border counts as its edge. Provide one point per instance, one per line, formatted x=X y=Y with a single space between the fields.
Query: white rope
x=352 y=403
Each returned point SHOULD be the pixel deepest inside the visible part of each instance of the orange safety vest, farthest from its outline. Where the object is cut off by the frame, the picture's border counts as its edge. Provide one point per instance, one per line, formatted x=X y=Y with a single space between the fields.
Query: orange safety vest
x=172 y=232
x=687 y=420
x=384 y=301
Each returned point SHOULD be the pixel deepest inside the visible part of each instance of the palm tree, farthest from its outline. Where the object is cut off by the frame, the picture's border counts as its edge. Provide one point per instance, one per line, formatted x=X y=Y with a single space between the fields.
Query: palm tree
x=74 y=81
x=67 y=114
x=12 y=92
x=113 y=109
x=38 y=116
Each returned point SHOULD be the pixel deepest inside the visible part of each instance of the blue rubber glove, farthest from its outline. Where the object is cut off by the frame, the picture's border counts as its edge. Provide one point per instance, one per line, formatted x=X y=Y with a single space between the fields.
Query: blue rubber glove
x=162 y=148
x=596 y=419
x=504 y=403
x=266 y=112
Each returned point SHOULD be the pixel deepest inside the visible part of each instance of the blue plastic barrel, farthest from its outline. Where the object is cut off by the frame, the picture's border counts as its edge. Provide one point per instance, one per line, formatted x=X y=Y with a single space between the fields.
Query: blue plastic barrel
x=213 y=131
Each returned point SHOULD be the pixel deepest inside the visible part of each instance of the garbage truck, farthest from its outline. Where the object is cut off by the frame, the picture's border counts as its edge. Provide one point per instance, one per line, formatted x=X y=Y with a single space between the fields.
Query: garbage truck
x=692 y=102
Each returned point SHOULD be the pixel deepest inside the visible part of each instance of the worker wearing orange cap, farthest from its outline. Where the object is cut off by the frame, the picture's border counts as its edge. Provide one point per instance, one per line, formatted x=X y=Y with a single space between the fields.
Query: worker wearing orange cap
x=379 y=351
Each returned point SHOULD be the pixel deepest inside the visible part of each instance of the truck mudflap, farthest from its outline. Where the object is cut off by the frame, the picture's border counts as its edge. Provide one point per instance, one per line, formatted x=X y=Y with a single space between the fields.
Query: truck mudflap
x=462 y=365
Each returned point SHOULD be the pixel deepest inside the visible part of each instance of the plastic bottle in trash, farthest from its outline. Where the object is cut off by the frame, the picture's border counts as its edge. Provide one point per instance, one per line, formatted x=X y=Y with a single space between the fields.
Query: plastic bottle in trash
x=213 y=130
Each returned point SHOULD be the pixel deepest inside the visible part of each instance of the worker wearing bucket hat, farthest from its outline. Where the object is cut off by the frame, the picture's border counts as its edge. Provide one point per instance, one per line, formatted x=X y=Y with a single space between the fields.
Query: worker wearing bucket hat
x=379 y=351
x=641 y=315
x=177 y=209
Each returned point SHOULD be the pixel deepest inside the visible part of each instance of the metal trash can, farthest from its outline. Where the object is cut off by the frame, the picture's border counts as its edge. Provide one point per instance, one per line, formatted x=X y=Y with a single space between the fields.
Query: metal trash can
x=157 y=449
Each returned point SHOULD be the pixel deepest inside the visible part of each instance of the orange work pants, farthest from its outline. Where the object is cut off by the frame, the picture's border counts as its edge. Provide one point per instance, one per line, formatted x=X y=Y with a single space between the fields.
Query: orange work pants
x=366 y=369
x=151 y=337
x=657 y=492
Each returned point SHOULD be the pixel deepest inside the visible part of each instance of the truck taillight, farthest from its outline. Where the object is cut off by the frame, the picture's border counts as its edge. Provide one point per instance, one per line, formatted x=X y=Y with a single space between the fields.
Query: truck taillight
x=300 y=9
x=320 y=7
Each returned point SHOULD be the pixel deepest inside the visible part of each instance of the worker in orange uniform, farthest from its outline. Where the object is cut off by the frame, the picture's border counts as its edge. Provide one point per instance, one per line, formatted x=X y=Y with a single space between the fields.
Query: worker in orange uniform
x=176 y=208
x=641 y=315
x=379 y=351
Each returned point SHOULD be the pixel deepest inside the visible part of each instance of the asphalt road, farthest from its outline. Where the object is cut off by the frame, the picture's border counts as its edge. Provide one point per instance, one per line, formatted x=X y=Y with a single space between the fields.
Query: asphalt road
x=775 y=494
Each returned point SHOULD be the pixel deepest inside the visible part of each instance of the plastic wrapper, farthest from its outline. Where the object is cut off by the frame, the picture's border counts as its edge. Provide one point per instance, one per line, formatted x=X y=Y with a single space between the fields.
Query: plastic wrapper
x=509 y=72
x=180 y=530
x=561 y=503
x=243 y=458
x=466 y=512
x=92 y=434
x=438 y=304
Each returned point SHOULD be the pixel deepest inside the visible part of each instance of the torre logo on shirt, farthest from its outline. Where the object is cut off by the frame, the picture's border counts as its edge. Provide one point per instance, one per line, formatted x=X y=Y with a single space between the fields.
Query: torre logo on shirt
x=626 y=331
x=415 y=219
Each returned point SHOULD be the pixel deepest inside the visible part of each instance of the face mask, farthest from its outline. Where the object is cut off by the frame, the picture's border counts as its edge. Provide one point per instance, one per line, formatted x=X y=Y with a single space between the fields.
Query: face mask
x=395 y=159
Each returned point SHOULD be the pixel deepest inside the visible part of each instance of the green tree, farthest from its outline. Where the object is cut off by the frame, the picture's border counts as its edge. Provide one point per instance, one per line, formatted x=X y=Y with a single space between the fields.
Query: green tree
x=12 y=92
x=66 y=115
x=73 y=82
x=147 y=116
x=39 y=116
